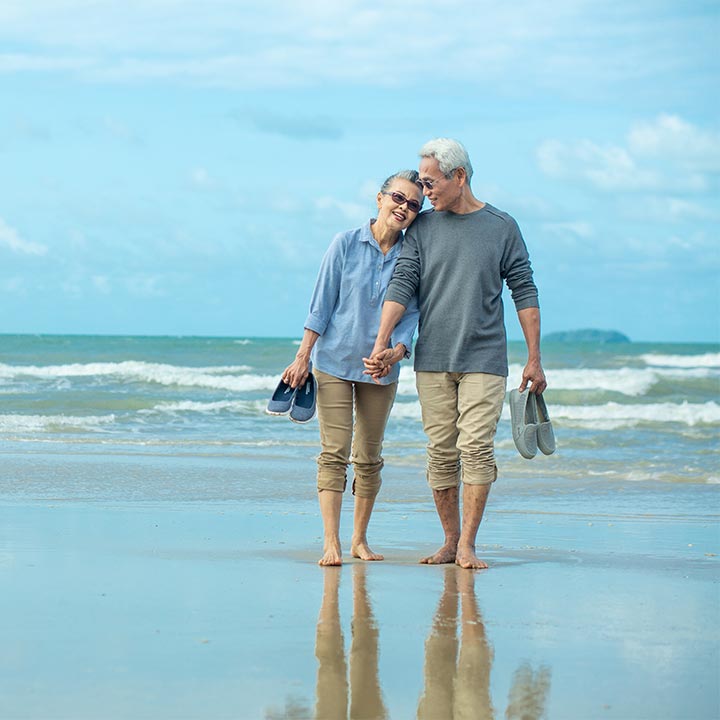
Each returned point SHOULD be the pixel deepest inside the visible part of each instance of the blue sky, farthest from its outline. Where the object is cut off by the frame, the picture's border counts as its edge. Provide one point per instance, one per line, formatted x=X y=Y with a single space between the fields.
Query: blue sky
x=175 y=167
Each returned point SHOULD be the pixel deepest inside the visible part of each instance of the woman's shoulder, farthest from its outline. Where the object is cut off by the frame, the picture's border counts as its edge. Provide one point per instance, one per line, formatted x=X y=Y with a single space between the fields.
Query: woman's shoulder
x=347 y=238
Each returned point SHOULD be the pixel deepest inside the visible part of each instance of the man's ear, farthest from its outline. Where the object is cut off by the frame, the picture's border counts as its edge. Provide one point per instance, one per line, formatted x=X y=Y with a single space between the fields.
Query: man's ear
x=461 y=175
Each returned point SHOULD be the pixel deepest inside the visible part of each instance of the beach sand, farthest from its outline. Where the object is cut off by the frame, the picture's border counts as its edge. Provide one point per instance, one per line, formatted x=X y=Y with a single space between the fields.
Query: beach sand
x=601 y=601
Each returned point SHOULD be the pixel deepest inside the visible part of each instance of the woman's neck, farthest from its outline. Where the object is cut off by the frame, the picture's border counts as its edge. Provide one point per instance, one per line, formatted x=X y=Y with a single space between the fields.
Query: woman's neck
x=386 y=237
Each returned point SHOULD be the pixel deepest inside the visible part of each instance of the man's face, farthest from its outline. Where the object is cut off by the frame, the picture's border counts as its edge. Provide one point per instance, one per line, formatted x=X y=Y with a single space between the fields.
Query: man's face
x=444 y=193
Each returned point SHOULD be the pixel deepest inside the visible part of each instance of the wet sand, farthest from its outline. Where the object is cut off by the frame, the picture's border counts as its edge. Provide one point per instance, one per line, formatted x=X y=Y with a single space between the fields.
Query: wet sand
x=600 y=606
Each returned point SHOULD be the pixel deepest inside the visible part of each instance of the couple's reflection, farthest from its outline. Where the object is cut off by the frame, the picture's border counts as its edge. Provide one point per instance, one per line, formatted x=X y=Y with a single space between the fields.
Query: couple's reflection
x=457 y=665
x=457 y=672
x=365 y=695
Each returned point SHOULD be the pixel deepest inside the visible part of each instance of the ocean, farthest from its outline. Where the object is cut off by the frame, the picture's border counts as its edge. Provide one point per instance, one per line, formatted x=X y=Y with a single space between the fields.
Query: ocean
x=631 y=412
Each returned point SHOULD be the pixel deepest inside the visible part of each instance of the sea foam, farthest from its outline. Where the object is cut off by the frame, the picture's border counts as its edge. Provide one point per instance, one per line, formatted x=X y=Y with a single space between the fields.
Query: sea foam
x=606 y=416
x=709 y=360
x=213 y=377
x=50 y=423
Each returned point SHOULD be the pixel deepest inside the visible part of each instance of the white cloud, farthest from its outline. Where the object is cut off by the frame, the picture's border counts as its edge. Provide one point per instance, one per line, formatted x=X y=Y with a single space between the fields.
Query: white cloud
x=577 y=229
x=242 y=43
x=145 y=286
x=666 y=154
x=10 y=238
x=201 y=178
x=13 y=285
x=669 y=136
x=101 y=283
x=353 y=212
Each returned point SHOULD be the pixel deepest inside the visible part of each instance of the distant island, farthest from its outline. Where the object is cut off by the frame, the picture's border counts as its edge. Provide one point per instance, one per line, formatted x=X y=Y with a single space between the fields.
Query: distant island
x=588 y=335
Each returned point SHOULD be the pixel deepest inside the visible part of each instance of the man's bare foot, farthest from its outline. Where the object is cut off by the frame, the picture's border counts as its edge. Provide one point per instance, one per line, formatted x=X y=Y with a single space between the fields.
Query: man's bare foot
x=360 y=549
x=466 y=558
x=446 y=554
x=332 y=554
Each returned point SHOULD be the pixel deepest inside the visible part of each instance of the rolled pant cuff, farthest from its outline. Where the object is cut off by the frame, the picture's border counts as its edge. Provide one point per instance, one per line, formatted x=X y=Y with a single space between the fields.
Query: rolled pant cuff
x=328 y=481
x=480 y=477
x=443 y=482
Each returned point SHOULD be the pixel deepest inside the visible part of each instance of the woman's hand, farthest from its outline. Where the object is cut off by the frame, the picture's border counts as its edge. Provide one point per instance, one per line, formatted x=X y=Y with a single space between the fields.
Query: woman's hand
x=296 y=373
x=379 y=364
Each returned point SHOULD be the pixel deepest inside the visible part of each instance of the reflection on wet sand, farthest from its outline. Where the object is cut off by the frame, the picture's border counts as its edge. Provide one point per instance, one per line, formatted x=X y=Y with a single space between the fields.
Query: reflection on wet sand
x=457 y=673
x=457 y=665
x=365 y=695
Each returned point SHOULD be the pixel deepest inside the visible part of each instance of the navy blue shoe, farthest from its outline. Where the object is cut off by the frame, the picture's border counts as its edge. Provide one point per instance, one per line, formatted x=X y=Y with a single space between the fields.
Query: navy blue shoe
x=281 y=399
x=303 y=404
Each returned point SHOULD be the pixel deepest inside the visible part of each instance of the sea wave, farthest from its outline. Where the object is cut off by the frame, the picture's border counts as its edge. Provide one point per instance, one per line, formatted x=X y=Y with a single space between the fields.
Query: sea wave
x=619 y=415
x=54 y=423
x=625 y=380
x=709 y=360
x=607 y=416
x=213 y=377
x=628 y=381
x=234 y=406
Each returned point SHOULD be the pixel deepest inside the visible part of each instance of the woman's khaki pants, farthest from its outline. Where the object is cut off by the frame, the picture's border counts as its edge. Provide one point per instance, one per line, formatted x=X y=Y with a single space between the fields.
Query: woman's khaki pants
x=336 y=401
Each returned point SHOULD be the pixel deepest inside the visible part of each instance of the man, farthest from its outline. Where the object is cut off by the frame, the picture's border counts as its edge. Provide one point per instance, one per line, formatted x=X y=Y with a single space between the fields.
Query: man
x=456 y=257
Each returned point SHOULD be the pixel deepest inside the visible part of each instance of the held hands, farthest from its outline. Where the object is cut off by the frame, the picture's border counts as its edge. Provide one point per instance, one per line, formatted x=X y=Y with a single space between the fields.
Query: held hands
x=533 y=374
x=381 y=360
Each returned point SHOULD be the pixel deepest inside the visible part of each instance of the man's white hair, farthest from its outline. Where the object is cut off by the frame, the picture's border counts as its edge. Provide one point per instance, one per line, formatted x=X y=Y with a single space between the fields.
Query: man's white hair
x=449 y=153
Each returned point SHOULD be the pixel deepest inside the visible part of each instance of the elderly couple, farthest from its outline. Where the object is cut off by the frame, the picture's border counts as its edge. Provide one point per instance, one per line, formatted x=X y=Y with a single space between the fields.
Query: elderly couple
x=374 y=286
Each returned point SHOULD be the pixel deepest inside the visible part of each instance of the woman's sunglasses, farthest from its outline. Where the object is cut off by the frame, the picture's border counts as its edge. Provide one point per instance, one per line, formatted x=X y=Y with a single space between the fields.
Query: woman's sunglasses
x=400 y=199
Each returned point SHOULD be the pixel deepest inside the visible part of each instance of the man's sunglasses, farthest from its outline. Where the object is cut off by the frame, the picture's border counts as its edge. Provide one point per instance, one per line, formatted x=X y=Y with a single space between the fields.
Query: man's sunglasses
x=400 y=199
x=430 y=184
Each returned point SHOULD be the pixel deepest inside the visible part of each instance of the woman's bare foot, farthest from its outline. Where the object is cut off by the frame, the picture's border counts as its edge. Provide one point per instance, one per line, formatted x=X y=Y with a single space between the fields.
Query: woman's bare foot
x=466 y=558
x=332 y=554
x=446 y=554
x=360 y=549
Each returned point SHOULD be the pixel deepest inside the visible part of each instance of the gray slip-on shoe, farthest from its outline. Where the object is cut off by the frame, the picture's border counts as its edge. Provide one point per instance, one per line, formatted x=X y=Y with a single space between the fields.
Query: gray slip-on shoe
x=279 y=403
x=545 y=433
x=303 y=404
x=524 y=423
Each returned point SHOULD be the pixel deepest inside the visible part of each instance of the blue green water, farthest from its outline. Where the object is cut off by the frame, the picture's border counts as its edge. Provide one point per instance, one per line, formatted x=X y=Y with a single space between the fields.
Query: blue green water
x=629 y=412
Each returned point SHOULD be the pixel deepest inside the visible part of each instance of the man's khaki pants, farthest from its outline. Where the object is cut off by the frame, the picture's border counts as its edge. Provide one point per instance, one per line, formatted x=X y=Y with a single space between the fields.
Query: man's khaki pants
x=460 y=412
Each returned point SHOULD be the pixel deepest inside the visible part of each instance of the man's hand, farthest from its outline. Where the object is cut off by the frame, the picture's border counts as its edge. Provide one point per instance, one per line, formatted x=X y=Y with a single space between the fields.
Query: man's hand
x=380 y=362
x=533 y=374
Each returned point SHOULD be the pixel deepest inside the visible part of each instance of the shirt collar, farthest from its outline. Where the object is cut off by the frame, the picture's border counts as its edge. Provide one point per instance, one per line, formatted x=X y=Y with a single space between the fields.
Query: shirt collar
x=367 y=236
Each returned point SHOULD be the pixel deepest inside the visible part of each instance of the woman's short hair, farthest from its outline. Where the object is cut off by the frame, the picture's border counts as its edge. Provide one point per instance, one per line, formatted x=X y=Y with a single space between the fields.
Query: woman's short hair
x=411 y=175
x=449 y=153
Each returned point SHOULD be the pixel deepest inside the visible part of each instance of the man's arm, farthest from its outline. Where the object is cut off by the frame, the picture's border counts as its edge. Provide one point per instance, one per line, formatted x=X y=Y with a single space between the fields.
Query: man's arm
x=379 y=362
x=533 y=372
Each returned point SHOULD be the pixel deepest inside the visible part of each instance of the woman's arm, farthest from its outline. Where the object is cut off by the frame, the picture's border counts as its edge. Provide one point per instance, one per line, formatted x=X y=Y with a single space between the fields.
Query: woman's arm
x=296 y=373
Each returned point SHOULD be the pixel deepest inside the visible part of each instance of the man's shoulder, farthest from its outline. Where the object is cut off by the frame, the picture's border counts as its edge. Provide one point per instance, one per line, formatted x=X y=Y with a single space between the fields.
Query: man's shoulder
x=499 y=215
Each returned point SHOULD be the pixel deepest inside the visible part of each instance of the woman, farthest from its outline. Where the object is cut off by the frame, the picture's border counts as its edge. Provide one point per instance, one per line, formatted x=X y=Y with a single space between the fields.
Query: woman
x=339 y=331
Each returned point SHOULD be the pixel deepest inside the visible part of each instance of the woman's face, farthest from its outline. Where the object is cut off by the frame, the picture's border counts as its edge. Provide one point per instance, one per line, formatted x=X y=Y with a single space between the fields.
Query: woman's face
x=393 y=203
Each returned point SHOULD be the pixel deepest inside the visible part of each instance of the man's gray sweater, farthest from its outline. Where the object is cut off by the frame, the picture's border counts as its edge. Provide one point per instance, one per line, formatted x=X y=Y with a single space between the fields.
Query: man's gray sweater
x=457 y=264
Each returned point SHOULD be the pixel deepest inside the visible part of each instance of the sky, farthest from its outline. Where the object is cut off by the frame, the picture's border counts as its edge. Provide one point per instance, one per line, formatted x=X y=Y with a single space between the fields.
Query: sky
x=170 y=167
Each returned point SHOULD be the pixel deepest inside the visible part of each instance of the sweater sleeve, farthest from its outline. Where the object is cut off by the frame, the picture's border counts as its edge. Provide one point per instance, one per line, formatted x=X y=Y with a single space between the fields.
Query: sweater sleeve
x=405 y=329
x=327 y=287
x=517 y=272
x=406 y=276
